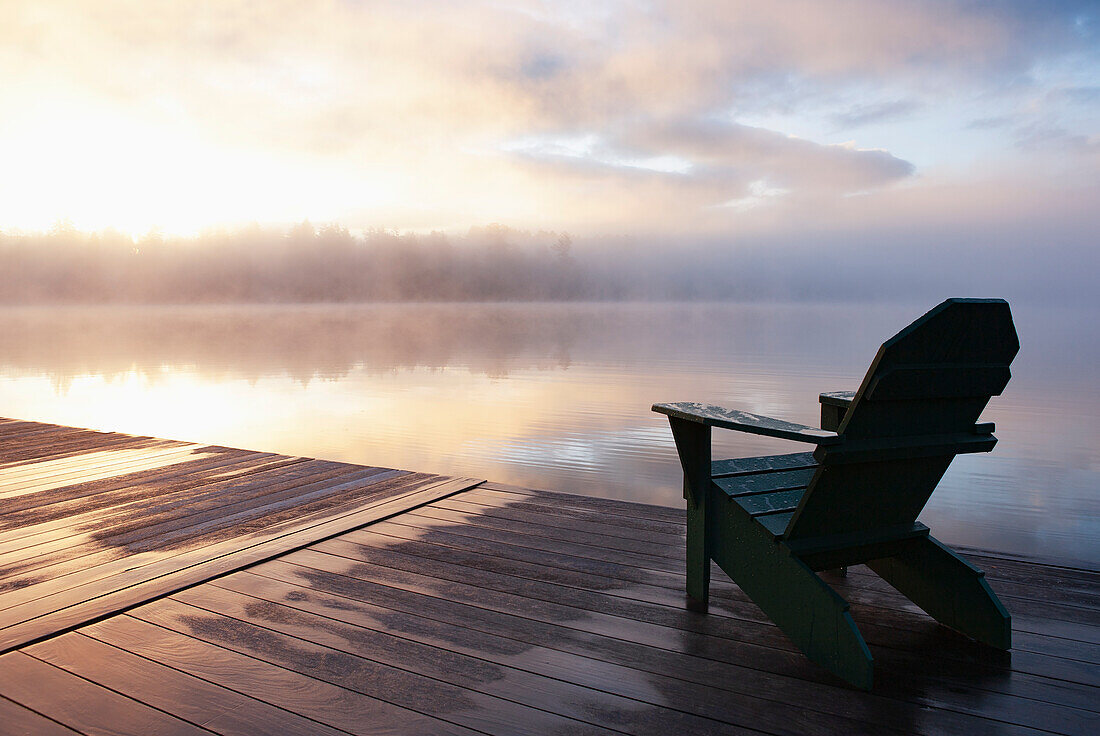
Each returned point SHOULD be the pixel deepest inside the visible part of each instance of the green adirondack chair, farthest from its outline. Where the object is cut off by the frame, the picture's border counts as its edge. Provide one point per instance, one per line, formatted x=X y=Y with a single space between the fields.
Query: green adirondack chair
x=771 y=523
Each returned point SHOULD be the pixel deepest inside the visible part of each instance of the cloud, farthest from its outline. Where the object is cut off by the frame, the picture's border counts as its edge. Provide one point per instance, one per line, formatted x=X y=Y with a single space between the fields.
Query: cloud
x=875 y=113
x=657 y=176
x=1049 y=139
x=730 y=149
x=693 y=56
x=408 y=114
x=296 y=66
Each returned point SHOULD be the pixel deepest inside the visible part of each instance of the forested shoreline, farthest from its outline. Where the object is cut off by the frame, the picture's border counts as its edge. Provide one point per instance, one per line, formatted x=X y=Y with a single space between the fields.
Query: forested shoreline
x=303 y=264
x=331 y=264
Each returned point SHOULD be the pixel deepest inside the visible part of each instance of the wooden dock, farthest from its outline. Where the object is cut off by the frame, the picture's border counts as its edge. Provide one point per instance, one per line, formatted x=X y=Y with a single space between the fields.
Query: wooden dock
x=149 y=586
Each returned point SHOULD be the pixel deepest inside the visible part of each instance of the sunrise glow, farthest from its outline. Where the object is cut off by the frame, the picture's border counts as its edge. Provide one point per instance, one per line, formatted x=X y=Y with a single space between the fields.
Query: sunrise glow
x=613 y=118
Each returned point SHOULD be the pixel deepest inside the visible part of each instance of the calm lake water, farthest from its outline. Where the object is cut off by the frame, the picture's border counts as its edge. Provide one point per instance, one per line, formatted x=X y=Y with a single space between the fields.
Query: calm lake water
x=555 y=396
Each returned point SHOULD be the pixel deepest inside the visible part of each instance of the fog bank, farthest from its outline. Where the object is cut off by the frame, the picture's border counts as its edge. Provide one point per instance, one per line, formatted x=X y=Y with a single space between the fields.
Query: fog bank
x=308 y=264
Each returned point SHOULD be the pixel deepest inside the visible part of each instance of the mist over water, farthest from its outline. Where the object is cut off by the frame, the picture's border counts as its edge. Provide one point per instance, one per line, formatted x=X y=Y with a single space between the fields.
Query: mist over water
x=554 y=395
x=330 y=264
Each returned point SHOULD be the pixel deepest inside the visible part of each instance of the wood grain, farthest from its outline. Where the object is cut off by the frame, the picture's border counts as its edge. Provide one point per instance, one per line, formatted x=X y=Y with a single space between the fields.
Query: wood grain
x=93 y=523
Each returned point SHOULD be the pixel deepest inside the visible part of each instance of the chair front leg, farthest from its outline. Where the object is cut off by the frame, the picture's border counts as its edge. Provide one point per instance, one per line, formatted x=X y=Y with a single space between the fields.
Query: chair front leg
x=693 y=446
x=698 y=556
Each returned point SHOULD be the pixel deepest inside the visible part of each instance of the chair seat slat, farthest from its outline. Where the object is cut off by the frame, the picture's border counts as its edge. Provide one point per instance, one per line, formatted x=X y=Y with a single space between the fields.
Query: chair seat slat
x=762 y=464
x=784 y=480
x=770 y=503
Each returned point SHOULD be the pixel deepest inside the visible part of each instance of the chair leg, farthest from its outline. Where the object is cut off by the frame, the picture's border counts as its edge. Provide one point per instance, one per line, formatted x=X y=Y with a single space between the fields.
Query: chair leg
x=693 y=447
x=792 y=595
x=949 y=589
x=698 y=558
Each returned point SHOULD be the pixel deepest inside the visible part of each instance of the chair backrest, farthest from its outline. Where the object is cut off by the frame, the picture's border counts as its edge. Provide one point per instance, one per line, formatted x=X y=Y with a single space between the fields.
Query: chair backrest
x=915 y=410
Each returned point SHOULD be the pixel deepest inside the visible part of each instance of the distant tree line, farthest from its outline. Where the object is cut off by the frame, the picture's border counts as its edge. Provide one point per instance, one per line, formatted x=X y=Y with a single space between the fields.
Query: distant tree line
x=307 y=263
x=303 y=264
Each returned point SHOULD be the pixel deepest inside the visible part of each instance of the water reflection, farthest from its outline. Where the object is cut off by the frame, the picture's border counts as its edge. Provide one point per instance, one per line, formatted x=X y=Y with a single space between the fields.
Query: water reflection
x=551 y=396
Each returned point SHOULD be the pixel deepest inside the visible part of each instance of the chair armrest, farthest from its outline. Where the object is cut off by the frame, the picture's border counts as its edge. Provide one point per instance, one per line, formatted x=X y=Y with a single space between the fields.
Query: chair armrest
x=717 y=416
x=834 y=405
x=837 y=398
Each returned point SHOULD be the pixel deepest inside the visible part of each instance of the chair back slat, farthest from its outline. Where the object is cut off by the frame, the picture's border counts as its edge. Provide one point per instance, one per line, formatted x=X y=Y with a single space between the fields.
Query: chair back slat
x=927 y=386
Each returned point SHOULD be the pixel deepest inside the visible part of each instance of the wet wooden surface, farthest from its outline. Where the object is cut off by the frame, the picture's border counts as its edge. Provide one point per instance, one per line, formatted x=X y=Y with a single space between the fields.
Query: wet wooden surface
x=94 y=522
x=507 y=611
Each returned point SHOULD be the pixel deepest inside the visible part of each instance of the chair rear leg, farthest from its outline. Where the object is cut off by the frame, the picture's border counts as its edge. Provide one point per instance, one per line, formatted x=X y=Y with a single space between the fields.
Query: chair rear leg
x=949 y=589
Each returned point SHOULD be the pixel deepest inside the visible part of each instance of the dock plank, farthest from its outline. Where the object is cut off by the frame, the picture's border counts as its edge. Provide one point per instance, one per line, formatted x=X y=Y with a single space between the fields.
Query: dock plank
x=172 y=525
x=594 y=593
x=400 y=687
x=112 y=521
x=176 y=485
x=817 y=704
x=660 y=691
x=72 y=498
x=249 y=593
x=472 y=669
x=67 y=471
x=184 y=696
x=85 y=706
x=20 y=721
x=310 y=697
x=577 y=548
x=1075 y=587
x=129 y=581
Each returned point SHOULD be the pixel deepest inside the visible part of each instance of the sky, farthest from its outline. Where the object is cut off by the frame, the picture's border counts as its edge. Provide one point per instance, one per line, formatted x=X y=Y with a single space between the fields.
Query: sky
x=701 y=119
